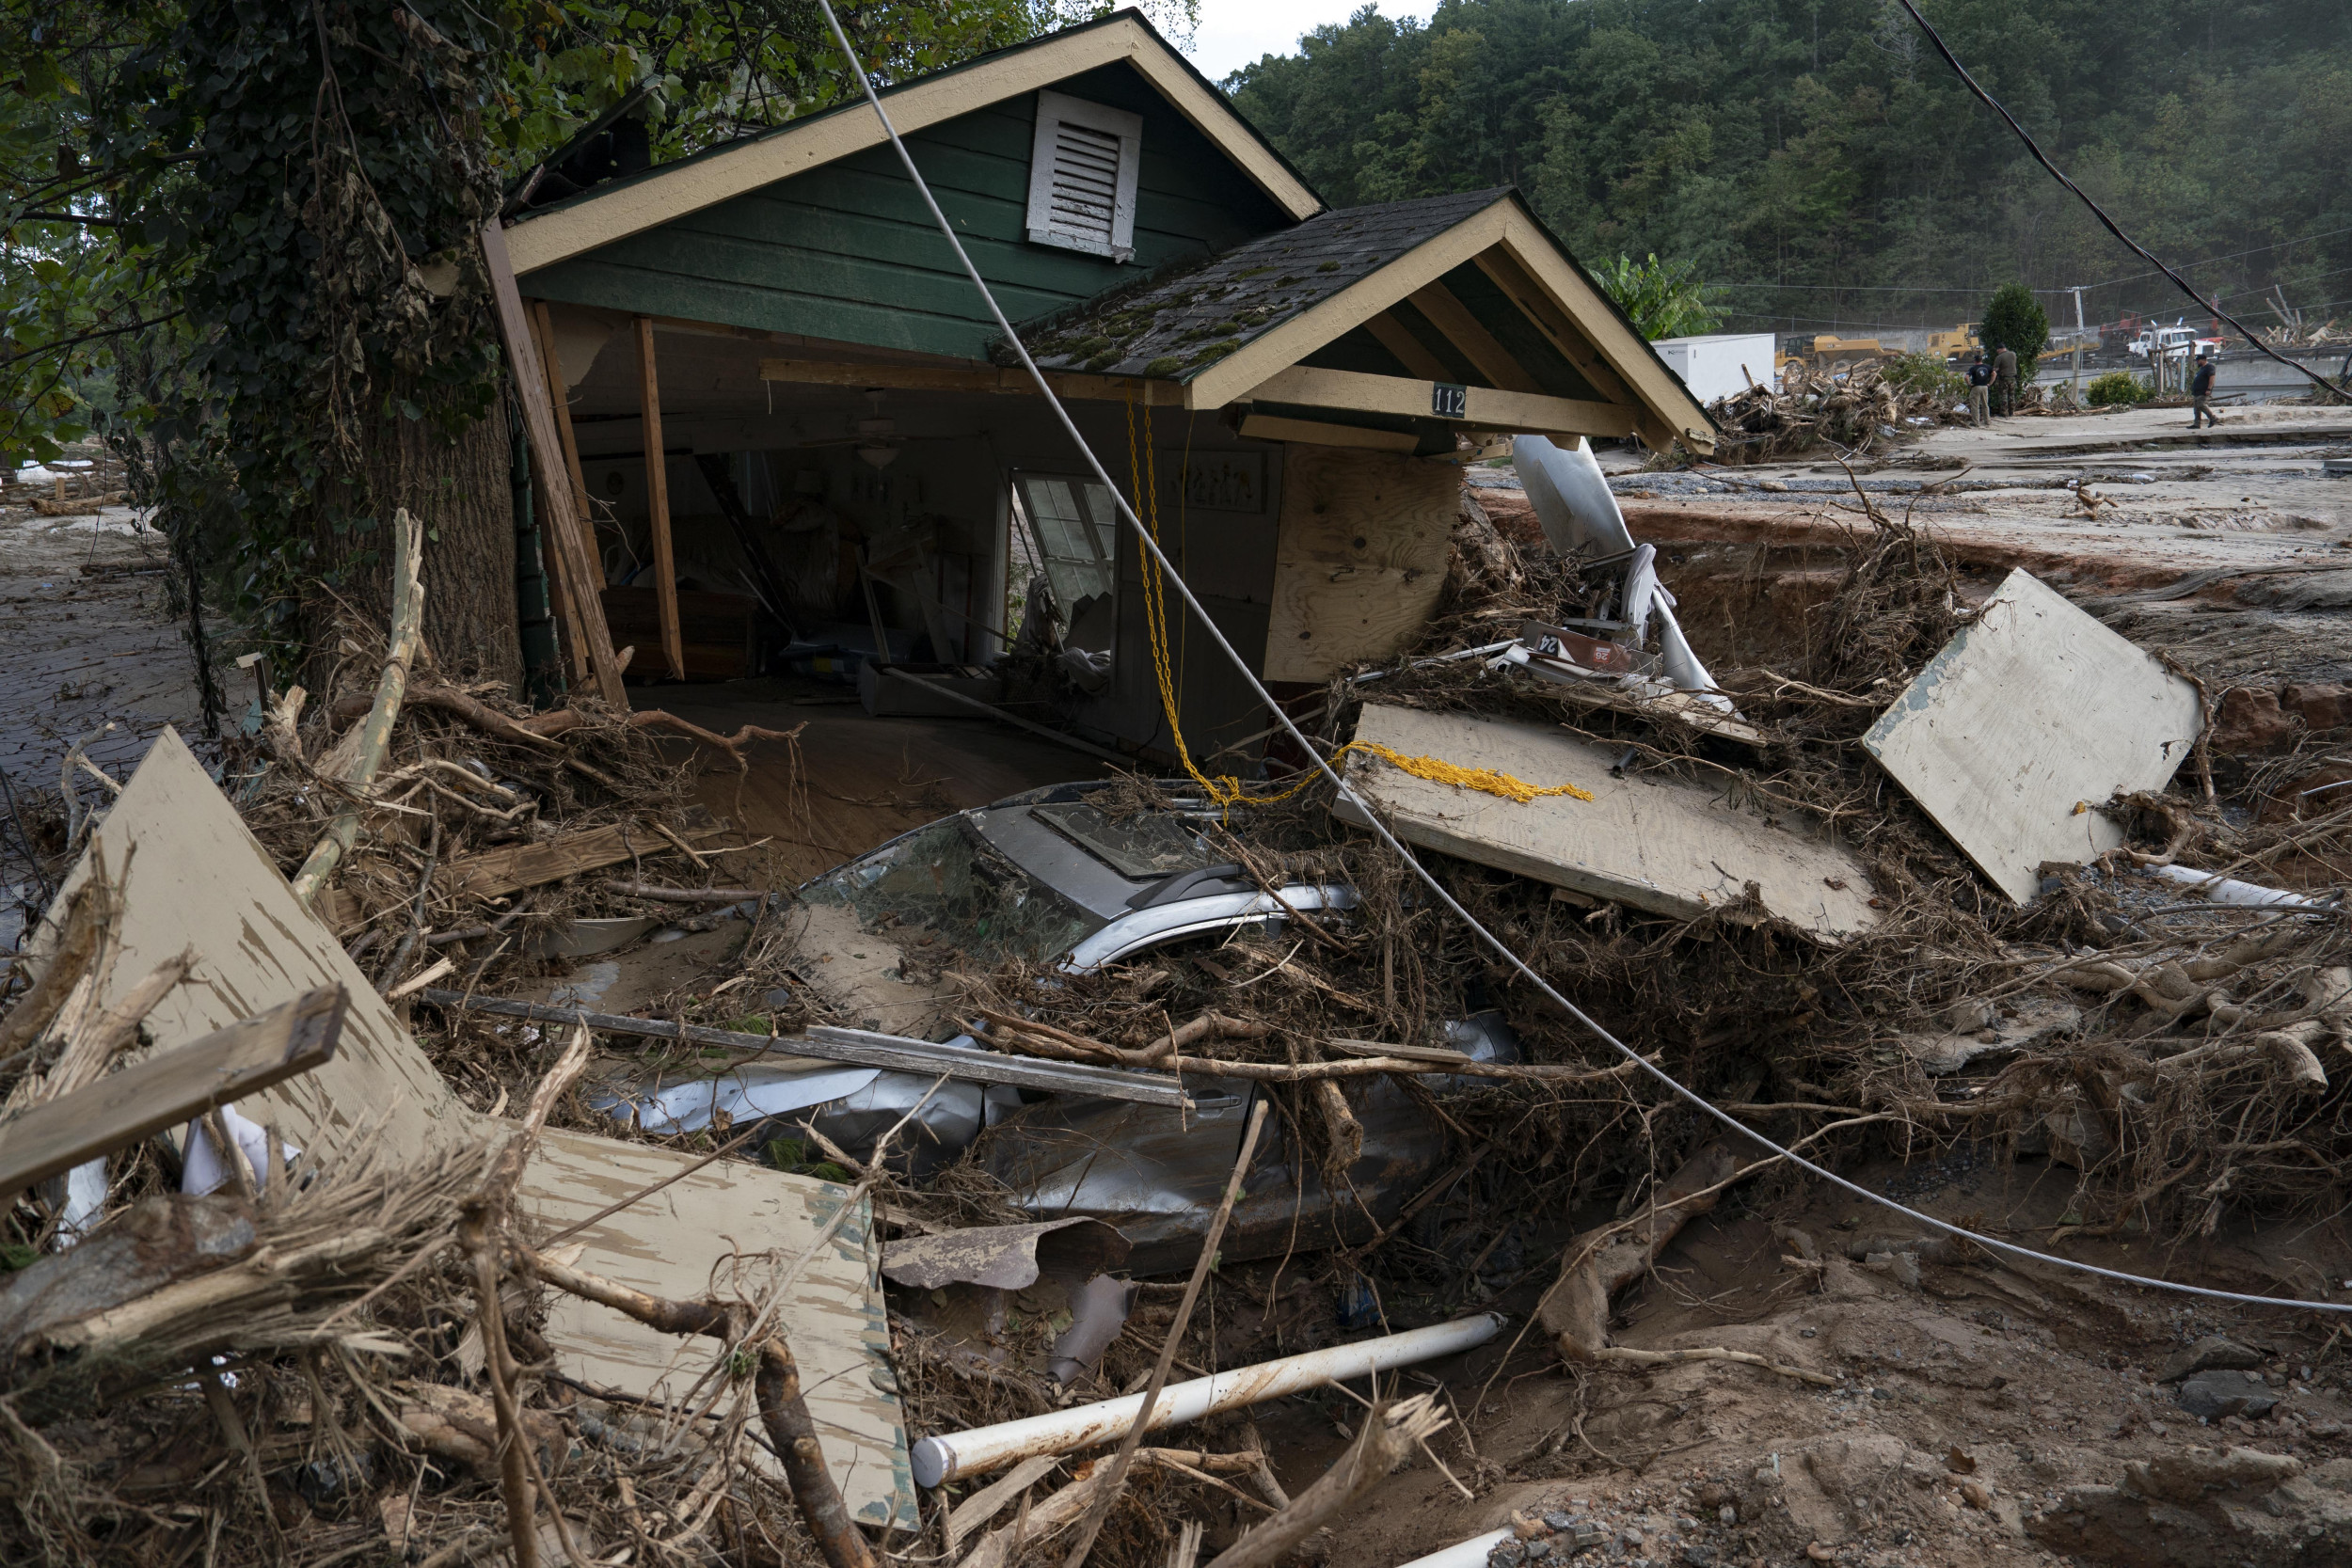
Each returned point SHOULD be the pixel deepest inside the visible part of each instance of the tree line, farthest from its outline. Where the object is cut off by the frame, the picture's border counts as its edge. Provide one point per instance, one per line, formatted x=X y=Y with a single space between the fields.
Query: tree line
x=1820 y=168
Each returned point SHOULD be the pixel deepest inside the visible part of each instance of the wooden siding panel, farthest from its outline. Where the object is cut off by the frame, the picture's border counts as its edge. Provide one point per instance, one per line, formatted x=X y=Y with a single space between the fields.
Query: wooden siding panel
x=848 y=251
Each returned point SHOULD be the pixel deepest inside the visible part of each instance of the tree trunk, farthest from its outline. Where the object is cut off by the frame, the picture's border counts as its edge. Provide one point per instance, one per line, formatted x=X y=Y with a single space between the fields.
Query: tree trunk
x=462 y=490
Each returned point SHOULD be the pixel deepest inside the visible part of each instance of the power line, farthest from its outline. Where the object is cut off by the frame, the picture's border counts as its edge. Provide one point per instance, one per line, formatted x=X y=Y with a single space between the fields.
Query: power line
x=1150 y=546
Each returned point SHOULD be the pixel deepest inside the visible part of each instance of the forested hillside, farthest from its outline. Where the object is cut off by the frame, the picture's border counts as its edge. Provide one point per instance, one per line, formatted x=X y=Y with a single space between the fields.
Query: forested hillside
x=1821 y=164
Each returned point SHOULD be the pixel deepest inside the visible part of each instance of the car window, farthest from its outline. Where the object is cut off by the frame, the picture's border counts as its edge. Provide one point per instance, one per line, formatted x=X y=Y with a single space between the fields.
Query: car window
x=943 y=879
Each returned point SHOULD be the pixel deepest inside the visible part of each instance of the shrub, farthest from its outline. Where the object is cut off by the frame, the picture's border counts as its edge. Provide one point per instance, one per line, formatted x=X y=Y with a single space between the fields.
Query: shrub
x=1927 y=374
x=2115 y=387
x=2016 y=321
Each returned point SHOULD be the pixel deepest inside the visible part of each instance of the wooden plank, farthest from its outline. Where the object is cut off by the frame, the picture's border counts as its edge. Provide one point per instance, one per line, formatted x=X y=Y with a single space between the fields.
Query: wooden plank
x=658 y=499
x=560 y=400
x=2027 y=720
x=634 y=205
x=573 y=556
x=1410 y=351
x=1359 y=559
x=1485 y=408
x=168 y=1088
x=1667 y=846
x=1465 y=331
x=514 y=866
x=1273 y=427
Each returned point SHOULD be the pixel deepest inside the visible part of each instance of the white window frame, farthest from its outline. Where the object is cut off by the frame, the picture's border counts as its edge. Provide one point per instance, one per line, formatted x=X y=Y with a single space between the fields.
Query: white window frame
x=1054 y=110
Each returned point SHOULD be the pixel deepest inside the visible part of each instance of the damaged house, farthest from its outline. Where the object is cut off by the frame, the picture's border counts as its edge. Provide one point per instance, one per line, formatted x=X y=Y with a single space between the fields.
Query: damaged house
x=850 y=462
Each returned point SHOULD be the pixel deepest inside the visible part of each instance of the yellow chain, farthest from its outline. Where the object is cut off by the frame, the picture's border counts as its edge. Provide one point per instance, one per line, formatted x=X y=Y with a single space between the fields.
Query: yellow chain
x=1226 y=789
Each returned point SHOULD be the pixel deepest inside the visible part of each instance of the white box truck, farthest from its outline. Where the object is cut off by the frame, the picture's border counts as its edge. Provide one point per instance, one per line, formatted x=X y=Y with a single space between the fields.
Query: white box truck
x=1710 y=365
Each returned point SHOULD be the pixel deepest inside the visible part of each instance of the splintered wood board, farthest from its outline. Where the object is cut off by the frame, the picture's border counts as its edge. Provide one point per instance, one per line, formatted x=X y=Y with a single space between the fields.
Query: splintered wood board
x=1657 y=844
x=198 y=878
x=2029 y=720
x=1360 y=558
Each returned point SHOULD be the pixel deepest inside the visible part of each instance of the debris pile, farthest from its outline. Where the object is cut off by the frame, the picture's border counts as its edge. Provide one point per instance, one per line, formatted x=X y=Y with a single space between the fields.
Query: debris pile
x=1859 y=412
x=1113 y=1109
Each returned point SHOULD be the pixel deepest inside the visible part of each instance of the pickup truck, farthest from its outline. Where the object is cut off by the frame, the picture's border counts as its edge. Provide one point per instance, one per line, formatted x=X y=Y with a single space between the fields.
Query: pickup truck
x=2171 y=342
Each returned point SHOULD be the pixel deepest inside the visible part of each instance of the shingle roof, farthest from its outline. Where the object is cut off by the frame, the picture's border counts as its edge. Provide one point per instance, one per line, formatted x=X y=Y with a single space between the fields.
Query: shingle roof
x=1176 y=325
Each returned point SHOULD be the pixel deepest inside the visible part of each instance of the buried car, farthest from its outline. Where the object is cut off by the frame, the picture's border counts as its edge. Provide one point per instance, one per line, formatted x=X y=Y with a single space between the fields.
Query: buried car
x=1058 y=878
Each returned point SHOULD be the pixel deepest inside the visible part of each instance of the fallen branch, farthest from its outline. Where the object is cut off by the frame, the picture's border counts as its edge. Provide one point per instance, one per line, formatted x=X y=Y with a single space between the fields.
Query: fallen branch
x=1390 y=1435
x=375 y=733
x=564 y=720
x=685 y=895
x=1602 y=1261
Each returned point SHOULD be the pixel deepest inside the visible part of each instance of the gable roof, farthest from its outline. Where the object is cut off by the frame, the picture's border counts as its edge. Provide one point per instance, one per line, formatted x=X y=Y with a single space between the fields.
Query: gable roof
x=1241 y=324
x=1176 y=325
x=645 y=201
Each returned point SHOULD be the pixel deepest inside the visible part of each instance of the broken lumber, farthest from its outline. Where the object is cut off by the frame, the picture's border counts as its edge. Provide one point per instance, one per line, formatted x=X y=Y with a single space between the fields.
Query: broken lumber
x=170 y=1088
x=495 y=873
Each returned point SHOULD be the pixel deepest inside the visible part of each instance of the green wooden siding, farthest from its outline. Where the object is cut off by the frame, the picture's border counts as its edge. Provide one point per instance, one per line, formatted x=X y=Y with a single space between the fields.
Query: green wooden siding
x=848 y=251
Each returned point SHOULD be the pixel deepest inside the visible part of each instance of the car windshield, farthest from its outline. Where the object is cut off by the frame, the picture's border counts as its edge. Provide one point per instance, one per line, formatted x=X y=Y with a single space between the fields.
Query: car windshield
x=944 y=880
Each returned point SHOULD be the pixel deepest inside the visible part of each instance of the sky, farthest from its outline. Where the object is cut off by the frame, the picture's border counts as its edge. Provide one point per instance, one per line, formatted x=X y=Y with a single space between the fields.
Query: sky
x=1235 y=33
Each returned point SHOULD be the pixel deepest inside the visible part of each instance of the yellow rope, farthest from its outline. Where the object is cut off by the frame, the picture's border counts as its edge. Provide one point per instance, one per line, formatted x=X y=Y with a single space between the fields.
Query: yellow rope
x=1226 y=789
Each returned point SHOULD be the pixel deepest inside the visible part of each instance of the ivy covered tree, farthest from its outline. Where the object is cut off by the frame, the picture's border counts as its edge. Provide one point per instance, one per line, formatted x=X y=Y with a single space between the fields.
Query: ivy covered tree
x=241 y=238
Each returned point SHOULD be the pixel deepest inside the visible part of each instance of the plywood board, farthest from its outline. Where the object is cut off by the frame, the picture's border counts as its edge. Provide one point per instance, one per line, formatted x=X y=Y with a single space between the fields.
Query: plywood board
x=737 y=1229
x=1657 y=844
x=1361 y=558
x=2029 y=720
x=198 y=878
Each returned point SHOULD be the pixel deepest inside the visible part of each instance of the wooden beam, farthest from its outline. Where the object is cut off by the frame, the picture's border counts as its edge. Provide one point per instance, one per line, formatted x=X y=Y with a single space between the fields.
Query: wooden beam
x=1484 y=408
x=170 y=1088
x=1410 y=351
x=574 y=554
x=1452 y=318
x=567 y=592
x=1273 y=427
x=941 y=378
x=657 y=499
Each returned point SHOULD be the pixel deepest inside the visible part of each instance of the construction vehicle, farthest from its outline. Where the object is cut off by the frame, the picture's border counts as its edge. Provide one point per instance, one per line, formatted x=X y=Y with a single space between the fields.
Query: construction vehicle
x=1953 y=344
x=1831 y=352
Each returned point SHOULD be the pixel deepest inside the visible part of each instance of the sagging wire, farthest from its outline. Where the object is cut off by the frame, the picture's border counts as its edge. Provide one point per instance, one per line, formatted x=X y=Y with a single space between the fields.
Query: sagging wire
x=1437 y=889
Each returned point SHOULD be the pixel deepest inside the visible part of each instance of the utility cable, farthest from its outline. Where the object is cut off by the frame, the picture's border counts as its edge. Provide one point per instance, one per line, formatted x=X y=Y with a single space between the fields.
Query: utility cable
x=1443 y=895
x=2100 y=212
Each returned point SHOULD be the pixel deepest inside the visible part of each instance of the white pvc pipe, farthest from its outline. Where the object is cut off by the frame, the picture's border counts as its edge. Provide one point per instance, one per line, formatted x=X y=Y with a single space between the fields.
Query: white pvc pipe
x=938 y=1460
x=1462 y=1554
x=2228 y=890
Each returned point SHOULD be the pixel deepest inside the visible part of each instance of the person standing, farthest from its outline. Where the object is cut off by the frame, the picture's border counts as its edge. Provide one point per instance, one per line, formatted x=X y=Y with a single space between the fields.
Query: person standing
x=1979 y=380
x=2004 y=380
x=2200 y=394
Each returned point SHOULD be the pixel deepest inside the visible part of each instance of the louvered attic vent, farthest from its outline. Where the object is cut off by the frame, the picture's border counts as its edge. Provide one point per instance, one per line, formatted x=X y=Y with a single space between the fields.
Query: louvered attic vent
x=1082 y=177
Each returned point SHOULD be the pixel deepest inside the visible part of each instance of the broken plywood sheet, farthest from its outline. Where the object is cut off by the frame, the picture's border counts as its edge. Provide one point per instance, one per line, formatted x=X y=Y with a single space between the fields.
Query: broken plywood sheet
x=739 y=1229
x=197 y=879
x=1360 y=558
x=1657 y=844
x=2029 y=719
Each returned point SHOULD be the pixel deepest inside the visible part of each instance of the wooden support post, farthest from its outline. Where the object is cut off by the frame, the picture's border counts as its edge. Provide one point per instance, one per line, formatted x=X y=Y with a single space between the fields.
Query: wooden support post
x=657 y=497
x=568 y=529
x=560 y=404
